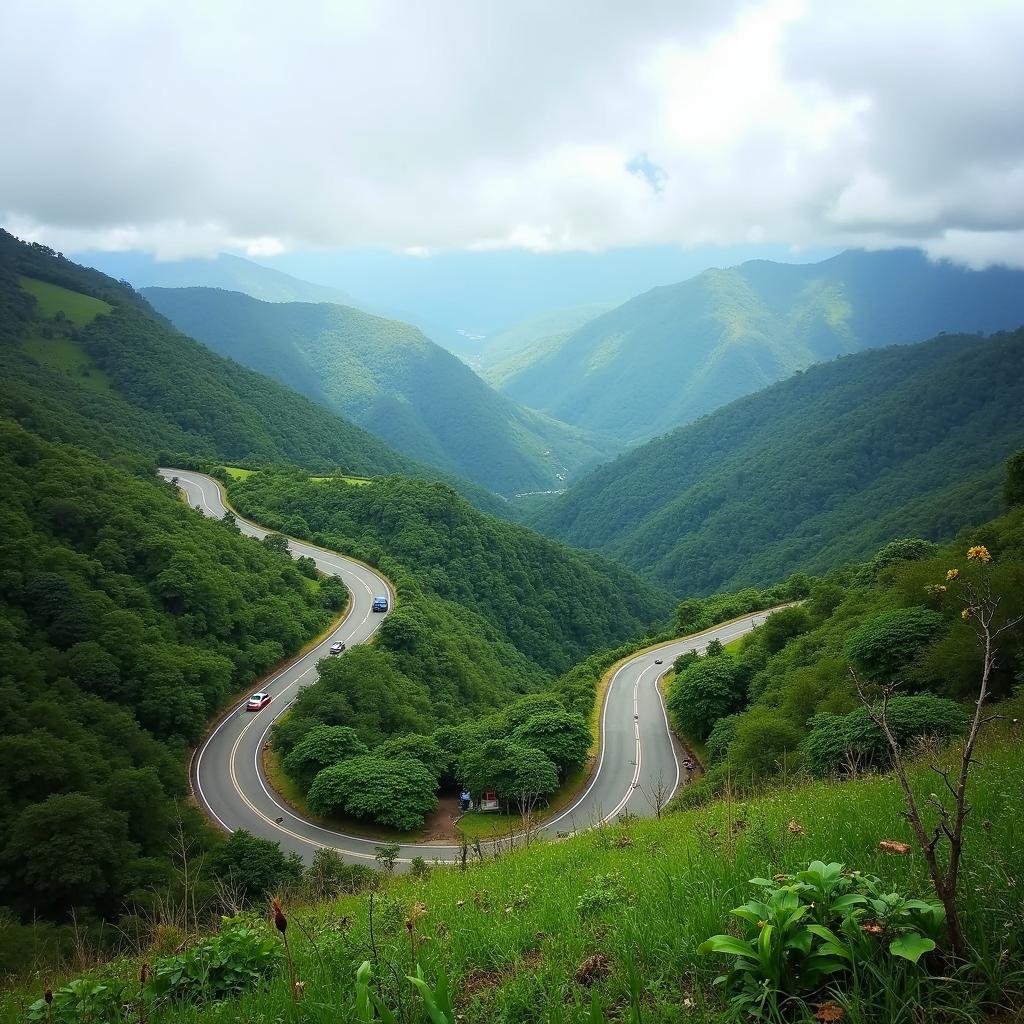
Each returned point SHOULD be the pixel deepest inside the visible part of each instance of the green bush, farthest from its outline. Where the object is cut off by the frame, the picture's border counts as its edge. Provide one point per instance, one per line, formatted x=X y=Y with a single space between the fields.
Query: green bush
x=321 y=747
x=709 y=689
x=836 y=743
x=227 y=964
x=889 y=642
x=400 y=793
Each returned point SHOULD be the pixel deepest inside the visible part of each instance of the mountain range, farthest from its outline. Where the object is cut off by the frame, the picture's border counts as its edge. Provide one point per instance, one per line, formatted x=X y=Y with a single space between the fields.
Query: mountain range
x=391 y=379
x=671 y=355
x=818 y=469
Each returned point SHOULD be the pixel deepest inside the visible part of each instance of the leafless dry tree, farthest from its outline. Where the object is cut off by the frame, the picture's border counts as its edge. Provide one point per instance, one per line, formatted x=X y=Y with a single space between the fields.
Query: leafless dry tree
x=982 y=610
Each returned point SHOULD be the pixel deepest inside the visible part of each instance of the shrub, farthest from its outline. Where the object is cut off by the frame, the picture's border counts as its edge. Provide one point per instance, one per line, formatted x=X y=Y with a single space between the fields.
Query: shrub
x=837 y=742
x=400 y=793
x=254 y=866
x=225 y=965
x=321 y=747
x=707 y=690
x=888 y=642
x=564 y=738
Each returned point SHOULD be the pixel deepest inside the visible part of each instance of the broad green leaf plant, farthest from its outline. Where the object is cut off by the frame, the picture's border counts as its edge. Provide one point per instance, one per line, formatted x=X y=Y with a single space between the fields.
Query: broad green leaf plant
x=809 y=930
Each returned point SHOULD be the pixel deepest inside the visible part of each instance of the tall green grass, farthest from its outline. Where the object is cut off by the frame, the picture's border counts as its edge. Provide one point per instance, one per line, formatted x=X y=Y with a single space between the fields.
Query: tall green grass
x=511 y=934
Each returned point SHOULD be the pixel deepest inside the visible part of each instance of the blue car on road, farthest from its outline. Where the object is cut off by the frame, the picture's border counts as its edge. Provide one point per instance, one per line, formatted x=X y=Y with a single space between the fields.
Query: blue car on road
x=380 y=604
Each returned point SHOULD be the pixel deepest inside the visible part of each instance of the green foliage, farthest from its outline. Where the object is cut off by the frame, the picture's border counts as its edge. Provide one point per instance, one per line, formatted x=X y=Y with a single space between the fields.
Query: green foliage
x=126 y=622
x=553 y=604
x=82 y=1001
x=704 y=692
x=215 y=968
x=425 y=749
x=322 y=746
x=887 y=643
x=1013 y=482
x=560 y=735
x=514 y=771
x=399 y=793
x=254 y=867
x=603 y=893
x=837 y=743
x=905 y=549
x=806 y=929
x=818 y=470
x=390 y=379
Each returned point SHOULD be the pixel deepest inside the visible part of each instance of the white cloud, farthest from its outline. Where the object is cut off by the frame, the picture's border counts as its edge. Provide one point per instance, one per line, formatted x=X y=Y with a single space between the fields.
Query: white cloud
x=185 y=128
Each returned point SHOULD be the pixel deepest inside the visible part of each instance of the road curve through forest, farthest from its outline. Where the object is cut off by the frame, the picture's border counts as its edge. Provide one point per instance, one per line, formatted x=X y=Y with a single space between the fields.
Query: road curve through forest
x=638 y=767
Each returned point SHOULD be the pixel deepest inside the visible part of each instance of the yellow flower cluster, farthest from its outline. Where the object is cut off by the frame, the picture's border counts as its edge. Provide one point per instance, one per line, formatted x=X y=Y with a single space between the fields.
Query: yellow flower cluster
x=953 y=574
x=980 y=553
x=966 y=613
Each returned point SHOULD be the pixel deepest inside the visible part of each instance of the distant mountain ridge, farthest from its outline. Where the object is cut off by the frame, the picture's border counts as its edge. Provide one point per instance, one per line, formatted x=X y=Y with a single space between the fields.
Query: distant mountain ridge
x=393 y=381
x=677 y=352
x=818 y=469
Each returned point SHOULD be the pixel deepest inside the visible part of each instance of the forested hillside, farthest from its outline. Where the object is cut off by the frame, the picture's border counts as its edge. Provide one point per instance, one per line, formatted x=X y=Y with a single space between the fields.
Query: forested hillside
x=84 y=359
x=391 y=379
x=817 y=470
x=675 y=353
x=126 y=622
x=786 y=700
x=555 y=605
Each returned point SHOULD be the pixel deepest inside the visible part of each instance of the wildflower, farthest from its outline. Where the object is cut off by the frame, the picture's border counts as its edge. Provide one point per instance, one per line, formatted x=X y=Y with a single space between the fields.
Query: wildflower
x=872 y=928
x=980 y=553
x=893 y=846
x=461 y=903
x=280 y=921
x=966 y=614
x=952 y=574
x=795 y=828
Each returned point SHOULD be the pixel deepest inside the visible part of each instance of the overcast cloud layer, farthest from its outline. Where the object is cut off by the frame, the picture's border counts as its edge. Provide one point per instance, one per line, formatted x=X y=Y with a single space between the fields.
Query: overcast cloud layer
x=189 y=127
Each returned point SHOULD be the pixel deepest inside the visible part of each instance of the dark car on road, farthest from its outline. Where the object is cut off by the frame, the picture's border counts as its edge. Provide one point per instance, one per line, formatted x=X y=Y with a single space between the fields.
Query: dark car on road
x=380 y=604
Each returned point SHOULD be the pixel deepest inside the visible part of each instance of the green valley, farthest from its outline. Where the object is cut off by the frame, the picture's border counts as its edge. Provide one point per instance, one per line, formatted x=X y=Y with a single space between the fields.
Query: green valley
x=392 y=380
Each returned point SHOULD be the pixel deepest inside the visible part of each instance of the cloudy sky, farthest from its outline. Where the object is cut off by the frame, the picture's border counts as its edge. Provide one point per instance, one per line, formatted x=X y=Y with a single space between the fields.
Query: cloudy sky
x=189 y=126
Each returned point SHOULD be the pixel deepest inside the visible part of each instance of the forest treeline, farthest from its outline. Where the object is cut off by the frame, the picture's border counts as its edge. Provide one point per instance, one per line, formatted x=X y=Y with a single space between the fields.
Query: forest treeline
x=786 y=701
x=127 y=621
x=820 y=469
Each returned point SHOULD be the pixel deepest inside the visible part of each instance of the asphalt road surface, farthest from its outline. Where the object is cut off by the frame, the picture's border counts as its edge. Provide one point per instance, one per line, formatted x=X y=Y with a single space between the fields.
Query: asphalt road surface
x=638 y=768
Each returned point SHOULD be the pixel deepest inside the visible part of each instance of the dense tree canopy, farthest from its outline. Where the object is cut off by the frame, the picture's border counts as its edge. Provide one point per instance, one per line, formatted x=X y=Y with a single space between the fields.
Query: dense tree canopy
x=397 y=792
x=820 y=469
x=126 y=621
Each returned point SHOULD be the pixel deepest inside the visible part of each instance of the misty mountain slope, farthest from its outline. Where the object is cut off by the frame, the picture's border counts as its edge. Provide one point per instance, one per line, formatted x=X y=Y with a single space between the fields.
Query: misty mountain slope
x=818 y=469
x=672 y=354
x=224 y=270
x=85 y=360
x=500 y=355
x=391 y=379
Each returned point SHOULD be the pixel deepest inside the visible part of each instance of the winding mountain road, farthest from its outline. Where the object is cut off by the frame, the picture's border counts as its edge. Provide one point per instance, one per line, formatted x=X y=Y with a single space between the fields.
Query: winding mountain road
x=638 y=767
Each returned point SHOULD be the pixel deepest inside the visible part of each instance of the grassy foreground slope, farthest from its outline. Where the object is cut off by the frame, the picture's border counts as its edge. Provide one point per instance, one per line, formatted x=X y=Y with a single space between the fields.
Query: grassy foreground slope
x=389 y=378
x=674 y=353
x=816 y=470
x=606 y=926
